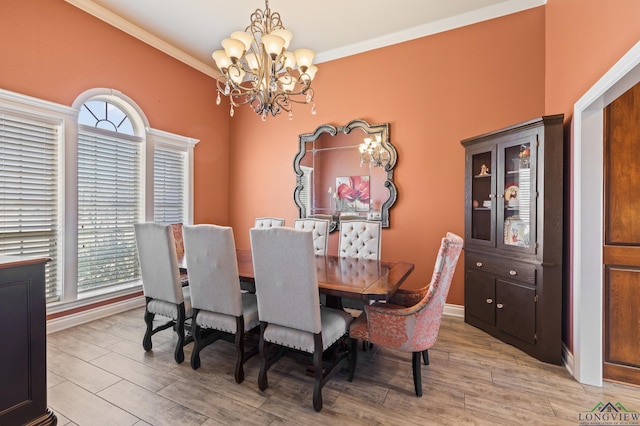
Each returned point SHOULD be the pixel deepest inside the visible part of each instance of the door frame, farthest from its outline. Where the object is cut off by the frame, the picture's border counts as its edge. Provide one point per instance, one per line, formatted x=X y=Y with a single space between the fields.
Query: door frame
x=587 y=215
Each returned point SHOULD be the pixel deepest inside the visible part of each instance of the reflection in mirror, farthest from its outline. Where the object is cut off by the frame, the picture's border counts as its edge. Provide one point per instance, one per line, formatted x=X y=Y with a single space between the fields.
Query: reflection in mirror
x=346 y=173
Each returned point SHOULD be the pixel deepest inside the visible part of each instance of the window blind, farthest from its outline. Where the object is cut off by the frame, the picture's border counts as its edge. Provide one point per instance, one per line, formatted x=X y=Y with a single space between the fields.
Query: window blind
x=29 y=208
x=169 y=186
x=109 y=203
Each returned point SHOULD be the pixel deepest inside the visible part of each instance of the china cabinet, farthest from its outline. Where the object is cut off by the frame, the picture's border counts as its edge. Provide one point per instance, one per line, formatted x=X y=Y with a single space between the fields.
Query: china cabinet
x=513 y=235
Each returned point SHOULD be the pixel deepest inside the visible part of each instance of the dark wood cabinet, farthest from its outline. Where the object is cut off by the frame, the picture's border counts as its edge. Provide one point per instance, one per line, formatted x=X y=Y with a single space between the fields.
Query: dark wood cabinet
x=513 y=235
x=23 y=359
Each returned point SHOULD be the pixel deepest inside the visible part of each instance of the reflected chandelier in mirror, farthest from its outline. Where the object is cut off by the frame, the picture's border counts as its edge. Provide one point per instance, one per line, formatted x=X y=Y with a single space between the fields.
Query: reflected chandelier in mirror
x=346 y=172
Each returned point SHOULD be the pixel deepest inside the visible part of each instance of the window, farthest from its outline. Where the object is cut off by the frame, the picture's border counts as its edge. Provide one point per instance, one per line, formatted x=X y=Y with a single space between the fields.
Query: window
x=29 y=220
x=74 y=180
x=169 y=185
x=109 y=203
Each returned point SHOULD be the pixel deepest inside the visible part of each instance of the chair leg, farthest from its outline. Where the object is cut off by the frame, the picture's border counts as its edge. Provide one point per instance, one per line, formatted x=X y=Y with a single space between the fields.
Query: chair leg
x=417 y=378
x=317 y=371
x=179 y=352
x=263 y=383
x=425 y=356
x=239 y=370
x=353 y=356
x=148 y=320
x=197 y=342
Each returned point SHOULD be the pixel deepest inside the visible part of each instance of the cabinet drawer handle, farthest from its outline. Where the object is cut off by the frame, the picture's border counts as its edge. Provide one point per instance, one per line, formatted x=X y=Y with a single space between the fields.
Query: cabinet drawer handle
x=489 y=300
x=512 y=272
x=499 y=306
x=479 y=264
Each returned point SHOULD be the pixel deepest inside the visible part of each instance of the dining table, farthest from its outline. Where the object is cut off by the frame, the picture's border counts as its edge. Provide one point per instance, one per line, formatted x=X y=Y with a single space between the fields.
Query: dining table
x=338 y=277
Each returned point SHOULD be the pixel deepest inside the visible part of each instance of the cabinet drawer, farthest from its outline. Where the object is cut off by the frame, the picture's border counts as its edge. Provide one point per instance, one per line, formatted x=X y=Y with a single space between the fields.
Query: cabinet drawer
x=503 y=267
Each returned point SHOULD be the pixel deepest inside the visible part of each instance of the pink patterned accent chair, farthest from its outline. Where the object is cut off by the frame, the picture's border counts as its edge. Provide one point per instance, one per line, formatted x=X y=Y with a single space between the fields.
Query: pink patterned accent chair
x=412 y=328
x=176 y=228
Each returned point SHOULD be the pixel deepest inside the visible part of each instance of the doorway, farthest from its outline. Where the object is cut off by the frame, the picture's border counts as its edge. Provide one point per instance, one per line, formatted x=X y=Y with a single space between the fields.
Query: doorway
x=621 y=250
x=587 y=224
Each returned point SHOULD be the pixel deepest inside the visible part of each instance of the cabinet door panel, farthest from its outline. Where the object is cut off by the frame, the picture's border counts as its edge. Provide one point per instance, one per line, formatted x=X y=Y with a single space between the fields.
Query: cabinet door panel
x=479 y=296
x=516 y=310
x=480 y=200
x=516 y=194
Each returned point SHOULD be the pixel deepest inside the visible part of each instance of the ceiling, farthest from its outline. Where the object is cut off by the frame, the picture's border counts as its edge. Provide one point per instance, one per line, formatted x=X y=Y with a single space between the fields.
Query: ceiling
x=191 y=30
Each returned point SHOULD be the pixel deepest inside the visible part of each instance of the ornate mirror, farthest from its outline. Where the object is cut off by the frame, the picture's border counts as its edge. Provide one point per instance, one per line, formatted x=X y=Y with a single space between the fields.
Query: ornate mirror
x=346 y=172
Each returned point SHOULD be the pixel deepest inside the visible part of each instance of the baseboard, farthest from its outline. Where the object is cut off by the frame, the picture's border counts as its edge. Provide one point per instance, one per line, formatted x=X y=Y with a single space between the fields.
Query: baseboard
x=567 y=357
x=99 y=312
x=453 y=310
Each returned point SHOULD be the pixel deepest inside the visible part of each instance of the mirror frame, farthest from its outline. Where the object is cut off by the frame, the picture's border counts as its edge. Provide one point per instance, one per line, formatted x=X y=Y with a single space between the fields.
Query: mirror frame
x=368 y=129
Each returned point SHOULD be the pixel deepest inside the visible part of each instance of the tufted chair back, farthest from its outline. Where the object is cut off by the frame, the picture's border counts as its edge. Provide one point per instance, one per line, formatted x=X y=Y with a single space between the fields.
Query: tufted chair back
x=268 y=222
x=360 y=239
x=319 y=229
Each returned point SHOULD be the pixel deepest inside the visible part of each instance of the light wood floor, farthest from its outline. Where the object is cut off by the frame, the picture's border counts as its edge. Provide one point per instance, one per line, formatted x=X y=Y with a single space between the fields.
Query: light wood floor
x=100 y=375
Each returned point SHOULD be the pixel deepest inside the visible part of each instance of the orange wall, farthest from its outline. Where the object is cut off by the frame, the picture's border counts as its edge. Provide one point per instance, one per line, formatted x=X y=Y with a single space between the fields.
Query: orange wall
x=584 y=39
x=461 y=83
x=54 y=51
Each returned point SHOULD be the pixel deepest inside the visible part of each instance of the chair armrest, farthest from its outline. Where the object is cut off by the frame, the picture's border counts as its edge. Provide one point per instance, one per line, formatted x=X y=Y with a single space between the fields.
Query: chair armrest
x=391 y=325
x=407 y=298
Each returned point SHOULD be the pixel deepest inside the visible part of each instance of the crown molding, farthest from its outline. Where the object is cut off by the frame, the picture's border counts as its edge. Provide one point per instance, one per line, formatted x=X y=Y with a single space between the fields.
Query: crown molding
x=486 y=13
x=122 y=24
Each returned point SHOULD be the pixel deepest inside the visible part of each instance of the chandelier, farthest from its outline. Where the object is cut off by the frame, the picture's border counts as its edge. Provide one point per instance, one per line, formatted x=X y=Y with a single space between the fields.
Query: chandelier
x=257 y=69
x=372 y=152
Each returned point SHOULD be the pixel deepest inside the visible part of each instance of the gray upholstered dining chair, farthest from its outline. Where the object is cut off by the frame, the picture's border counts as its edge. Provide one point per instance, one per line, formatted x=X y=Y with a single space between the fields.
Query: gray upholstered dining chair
x=289 y=307
x=412 y=327
x=163 y=290
x=360 y=239
x=218 y=304
x=320 y=231
x=268 y=222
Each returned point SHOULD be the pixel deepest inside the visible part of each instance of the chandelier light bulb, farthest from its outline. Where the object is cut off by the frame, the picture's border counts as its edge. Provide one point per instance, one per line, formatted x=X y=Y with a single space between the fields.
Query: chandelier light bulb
x=233 y=48
x=244 y=37
x=286 y=35
x=252 y=61
x=222 y=60
x=273 y=44
x=304 y=58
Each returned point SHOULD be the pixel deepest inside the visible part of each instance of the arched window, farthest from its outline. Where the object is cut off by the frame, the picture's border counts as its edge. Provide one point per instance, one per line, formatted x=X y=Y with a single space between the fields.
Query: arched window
x=110 y=156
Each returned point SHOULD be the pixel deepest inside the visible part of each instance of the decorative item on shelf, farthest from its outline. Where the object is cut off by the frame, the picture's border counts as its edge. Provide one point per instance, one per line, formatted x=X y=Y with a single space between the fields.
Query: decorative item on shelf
x=511 y=191
x=486 y=203
x=516 y=232
x=524 y=157
x=484 y=170
x=372 y=152
x=258 y=70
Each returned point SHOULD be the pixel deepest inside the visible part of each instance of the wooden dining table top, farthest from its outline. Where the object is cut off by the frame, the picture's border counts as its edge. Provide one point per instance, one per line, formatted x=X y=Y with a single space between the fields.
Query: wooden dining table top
x=363 y=279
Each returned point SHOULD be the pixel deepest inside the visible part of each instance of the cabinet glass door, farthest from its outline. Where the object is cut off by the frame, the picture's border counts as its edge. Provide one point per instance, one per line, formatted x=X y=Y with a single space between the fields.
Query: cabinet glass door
x=516 y=194
x=482 y=203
